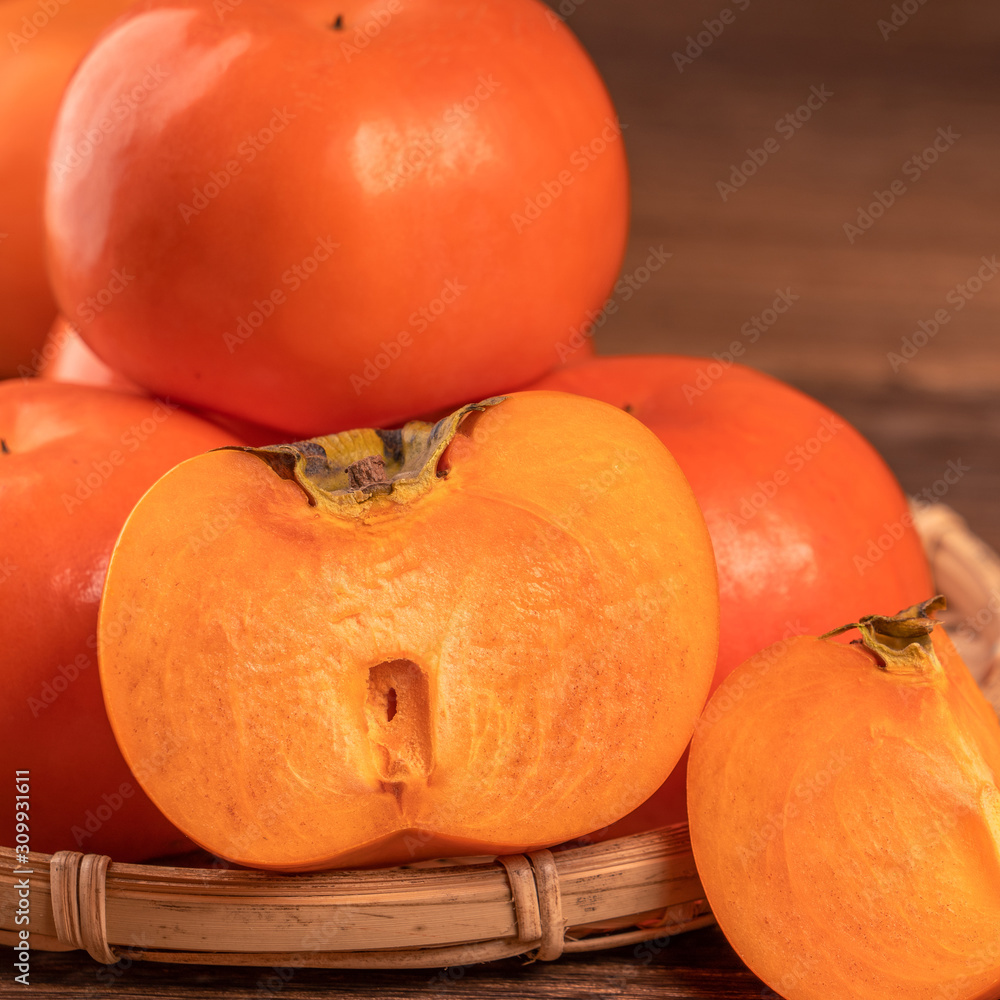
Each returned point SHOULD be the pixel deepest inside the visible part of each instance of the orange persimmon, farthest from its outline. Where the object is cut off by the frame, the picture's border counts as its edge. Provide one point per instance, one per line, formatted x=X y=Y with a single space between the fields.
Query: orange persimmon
x=845 y=816
x=73 y=462
x=43 y=42
x=483 y=635
x=313 y=228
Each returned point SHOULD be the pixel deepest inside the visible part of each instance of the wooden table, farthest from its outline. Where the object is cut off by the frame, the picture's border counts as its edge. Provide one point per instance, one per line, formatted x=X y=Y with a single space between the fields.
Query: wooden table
x=781 y=229
x=698 y=964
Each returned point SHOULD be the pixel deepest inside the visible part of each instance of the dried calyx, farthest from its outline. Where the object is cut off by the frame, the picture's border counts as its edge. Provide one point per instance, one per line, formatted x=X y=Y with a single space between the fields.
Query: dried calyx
x=901 y=643
x=343 y=471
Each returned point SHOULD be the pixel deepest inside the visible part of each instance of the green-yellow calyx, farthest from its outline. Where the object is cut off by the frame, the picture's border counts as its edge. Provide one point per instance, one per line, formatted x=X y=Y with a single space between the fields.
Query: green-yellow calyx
x=901 y=642
x=345 y=471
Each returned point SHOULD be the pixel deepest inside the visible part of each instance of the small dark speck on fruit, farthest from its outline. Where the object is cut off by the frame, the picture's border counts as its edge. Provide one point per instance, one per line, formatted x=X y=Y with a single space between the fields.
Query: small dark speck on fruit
x=339 y=23
x=627 y=407
x=3 y=447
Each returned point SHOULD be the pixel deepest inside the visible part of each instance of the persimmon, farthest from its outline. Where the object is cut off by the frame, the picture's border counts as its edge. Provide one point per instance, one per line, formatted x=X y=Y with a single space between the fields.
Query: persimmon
x=43 y=42
x=66 y=358
x=484 y=635
x=360 y=213
x=845 y=816
x=73 y=462
x=807 y=521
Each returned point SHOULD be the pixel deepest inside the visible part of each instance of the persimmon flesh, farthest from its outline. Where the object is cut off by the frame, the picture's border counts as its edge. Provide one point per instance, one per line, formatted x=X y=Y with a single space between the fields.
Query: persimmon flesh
x=485 y=635
x=845 y=817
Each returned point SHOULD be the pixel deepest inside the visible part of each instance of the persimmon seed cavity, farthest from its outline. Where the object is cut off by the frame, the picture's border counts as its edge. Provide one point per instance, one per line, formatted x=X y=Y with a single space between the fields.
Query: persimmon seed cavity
x=398 y=714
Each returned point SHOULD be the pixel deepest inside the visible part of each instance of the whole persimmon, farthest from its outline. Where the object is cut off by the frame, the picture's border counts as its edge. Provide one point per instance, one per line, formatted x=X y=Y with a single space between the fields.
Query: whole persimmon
x=478 y=636
x=845 y=816
x=326 y=217
x=43 y=42
x=73 y=462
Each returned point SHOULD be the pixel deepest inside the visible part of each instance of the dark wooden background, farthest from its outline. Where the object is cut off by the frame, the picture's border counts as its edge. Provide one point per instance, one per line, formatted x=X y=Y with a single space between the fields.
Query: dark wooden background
x=782 y=229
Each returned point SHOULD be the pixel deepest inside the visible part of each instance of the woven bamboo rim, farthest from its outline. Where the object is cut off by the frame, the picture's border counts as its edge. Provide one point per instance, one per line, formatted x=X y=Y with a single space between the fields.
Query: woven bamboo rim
x=541 y=904
x=598 y=896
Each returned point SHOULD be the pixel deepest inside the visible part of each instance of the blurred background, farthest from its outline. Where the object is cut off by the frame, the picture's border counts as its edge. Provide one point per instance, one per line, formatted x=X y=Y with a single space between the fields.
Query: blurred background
x=700 y=92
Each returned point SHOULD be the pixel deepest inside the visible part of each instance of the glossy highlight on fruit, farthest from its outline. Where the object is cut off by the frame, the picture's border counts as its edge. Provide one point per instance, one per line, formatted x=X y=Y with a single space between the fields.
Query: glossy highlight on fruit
x=479 y=636
x=845 y=816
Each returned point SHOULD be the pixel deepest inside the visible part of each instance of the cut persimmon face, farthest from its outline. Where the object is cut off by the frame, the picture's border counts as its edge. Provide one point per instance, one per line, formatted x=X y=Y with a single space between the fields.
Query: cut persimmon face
x=484 y=635
x=845 y=816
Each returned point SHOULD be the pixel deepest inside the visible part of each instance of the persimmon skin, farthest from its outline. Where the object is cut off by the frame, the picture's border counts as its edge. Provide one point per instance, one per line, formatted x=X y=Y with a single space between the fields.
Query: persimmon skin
x=845 y=822
x=369 y=259
x=34 y=72
x=60 y=442
x=66 y=358
x=553 y=593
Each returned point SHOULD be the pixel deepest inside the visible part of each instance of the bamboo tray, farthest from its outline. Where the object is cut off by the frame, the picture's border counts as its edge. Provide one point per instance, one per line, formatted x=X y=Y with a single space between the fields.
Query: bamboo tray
x=433 y=915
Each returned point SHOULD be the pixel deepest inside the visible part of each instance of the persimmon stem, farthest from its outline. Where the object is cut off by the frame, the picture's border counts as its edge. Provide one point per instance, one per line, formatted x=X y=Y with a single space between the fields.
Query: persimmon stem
x=900 y=642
